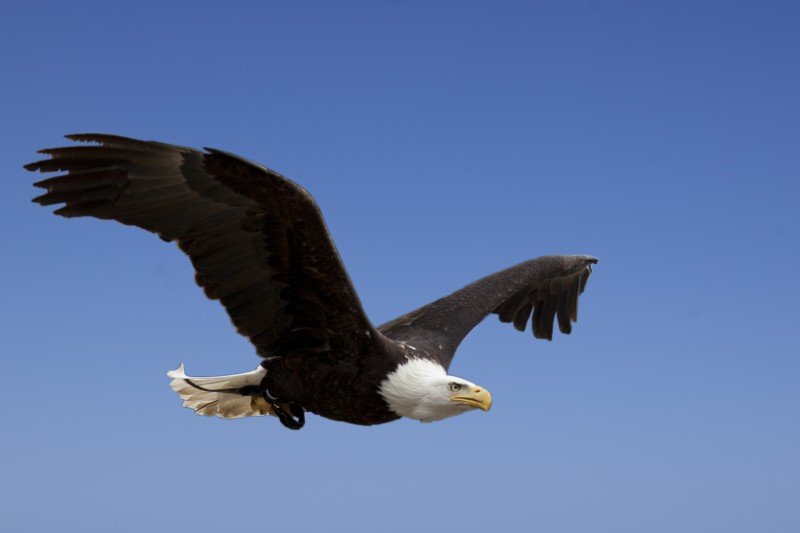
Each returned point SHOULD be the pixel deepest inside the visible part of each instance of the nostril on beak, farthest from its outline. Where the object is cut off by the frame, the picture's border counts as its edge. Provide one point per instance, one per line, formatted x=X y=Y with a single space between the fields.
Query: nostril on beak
x=476 y=389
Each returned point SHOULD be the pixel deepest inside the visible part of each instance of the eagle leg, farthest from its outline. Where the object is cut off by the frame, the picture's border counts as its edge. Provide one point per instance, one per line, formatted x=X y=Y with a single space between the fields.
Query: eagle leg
x=290 y=414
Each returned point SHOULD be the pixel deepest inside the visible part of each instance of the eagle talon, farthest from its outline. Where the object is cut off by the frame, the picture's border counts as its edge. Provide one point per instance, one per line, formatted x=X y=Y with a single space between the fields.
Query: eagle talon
x=291 y=415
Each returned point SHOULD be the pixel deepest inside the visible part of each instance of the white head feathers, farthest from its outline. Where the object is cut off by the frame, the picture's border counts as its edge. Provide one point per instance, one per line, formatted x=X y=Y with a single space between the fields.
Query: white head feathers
x=422 y=390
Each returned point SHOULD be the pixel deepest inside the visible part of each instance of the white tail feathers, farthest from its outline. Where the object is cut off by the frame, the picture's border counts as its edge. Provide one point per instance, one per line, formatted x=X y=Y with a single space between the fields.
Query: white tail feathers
x=218 y=396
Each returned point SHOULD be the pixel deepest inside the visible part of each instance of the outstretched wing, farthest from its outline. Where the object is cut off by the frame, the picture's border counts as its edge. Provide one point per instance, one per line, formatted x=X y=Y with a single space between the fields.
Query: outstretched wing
x=257 y=240
x=547 y=287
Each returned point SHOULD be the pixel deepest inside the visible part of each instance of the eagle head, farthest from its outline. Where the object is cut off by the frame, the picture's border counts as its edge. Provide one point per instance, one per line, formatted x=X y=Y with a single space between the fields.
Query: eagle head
x=421 y=389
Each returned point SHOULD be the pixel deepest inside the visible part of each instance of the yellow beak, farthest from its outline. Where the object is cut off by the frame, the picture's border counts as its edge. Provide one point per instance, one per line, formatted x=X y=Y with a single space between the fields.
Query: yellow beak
x=476 y=397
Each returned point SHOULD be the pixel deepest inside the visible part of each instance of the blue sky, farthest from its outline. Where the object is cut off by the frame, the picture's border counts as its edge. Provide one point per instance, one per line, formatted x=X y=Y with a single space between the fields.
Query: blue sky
x=443 y=141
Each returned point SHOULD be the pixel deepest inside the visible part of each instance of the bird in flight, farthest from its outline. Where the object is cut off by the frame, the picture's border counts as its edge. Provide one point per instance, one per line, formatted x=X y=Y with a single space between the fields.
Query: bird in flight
x=259 y=245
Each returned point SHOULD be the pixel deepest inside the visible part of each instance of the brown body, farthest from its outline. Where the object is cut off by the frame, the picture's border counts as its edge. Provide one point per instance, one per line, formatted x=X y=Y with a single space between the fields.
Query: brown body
x=319 y=385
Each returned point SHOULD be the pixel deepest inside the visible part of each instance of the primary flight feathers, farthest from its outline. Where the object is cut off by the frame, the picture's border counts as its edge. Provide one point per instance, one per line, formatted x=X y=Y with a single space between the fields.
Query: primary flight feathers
x=259 y=245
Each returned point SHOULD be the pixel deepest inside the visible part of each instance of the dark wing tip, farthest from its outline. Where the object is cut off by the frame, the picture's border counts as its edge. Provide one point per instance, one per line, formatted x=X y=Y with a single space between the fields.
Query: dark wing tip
x=553 y=299
x=54 y=152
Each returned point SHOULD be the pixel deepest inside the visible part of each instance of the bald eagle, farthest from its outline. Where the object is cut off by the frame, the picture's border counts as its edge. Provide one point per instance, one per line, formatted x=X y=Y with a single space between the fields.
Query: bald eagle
x=259 y=245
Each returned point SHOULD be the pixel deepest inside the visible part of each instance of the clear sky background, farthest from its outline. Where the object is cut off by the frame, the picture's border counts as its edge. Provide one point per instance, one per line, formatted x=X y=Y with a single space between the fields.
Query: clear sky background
x=443 y=141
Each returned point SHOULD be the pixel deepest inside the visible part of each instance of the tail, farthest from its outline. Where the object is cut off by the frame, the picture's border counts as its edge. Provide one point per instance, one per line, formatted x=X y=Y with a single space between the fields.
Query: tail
x=234 y=396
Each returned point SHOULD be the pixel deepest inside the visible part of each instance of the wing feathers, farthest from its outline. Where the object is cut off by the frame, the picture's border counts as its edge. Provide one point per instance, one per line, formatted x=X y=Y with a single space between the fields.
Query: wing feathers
x=546 y=288
x=543 y=319
x=564 y=325
x=521 y=318
x=560 y=301
x=257 y=240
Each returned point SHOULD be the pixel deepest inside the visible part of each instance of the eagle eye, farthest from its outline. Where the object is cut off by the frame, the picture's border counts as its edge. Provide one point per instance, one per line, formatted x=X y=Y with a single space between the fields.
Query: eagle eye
x=455 y=387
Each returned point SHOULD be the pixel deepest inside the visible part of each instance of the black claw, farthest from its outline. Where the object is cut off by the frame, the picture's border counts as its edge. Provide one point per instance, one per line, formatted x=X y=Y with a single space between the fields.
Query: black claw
x=295 y=420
